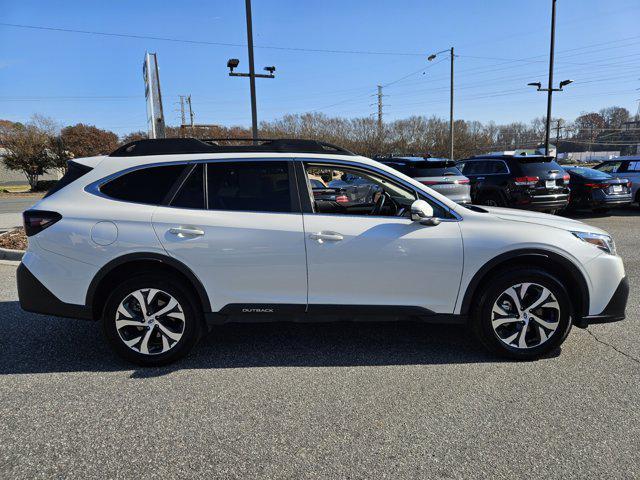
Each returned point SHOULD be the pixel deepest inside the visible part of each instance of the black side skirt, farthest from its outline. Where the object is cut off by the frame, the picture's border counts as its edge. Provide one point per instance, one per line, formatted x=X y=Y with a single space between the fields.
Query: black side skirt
x=274 y=312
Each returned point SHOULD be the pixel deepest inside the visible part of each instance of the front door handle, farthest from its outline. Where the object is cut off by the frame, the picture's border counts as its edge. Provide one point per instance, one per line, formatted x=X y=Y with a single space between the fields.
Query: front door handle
x=183 y=232
x=326 y=237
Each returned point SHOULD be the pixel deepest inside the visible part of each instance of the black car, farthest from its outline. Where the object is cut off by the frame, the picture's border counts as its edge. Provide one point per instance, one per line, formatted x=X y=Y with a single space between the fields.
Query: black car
x=532 y=182
x=348 y=192
x=597 y=190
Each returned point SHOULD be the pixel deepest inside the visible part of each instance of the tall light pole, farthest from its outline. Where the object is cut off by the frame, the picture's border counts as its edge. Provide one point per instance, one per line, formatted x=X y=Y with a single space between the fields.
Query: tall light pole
x=547 y=132
x=550 y=89
x=430 y=58
x=234 y=62
x=252 y=72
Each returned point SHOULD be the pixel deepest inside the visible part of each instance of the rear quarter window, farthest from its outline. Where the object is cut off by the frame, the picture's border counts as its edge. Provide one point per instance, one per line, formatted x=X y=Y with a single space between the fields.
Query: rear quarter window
x=74 y=172
x=432 y=172
x=146 y=185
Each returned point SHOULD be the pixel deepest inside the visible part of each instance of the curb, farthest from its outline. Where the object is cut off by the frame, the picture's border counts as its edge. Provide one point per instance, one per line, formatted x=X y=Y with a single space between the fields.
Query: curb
x=8 y=254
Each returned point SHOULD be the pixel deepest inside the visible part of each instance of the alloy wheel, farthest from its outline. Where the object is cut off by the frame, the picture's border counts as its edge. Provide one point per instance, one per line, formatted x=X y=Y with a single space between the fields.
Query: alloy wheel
x=525 y=315
x=150 y=321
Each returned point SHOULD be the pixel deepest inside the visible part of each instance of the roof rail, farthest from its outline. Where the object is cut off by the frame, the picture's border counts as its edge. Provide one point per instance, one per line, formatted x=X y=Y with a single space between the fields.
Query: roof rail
x=173 y=146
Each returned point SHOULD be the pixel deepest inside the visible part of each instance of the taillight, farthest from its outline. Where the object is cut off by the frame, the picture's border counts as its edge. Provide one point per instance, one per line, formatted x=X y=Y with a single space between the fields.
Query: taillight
x=596 y=185
x=462 y=182
x=342 y=199
x=629 y=184
x=429 y=182
x=530 y=181
x=37 y=220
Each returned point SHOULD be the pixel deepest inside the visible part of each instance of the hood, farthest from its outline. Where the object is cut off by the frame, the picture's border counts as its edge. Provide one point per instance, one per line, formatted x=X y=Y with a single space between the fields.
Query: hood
x=538 y=218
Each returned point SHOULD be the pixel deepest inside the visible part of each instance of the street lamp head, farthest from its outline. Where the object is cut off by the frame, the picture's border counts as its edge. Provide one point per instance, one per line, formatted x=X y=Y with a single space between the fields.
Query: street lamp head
x=564 y=83
x=270 y=69
x=538 y=85
x=431 y=57
x=233 y=63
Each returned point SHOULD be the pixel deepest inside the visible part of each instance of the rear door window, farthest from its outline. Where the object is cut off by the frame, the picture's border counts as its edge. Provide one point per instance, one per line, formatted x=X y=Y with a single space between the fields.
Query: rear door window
x=191 y=193
x=249 y=186
x=432 y=171
x=146 y=185
x=474 y=168
x=496 y=167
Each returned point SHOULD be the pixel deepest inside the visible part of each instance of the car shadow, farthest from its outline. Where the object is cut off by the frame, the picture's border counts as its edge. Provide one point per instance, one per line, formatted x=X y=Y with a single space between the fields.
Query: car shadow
x=32 y=343
x=629 y=211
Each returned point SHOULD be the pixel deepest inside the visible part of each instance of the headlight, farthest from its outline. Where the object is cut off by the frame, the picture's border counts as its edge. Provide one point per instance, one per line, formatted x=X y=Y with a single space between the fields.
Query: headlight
x=603 y=242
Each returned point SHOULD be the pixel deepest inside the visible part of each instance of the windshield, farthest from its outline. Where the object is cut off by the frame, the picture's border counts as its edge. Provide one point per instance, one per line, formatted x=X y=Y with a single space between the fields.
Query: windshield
x=539 y=168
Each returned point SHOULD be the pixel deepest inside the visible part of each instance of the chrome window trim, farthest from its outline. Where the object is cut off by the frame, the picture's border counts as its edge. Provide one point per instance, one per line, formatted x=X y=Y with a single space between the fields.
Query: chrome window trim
x=94 y=187
x=364 y=166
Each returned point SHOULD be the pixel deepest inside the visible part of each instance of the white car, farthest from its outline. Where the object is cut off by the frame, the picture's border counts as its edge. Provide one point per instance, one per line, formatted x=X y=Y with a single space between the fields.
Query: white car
x=163 y=237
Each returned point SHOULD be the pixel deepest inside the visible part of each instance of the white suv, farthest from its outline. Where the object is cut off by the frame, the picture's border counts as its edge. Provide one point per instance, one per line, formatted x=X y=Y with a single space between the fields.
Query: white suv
x=163 y=237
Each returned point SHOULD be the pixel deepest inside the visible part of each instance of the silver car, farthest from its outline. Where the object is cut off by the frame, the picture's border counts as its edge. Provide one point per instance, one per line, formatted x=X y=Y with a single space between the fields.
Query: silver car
x=438 y=173
x=627 y=167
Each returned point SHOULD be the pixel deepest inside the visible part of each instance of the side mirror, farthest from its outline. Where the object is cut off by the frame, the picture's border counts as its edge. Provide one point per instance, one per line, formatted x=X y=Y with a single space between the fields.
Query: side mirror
x=422 y=212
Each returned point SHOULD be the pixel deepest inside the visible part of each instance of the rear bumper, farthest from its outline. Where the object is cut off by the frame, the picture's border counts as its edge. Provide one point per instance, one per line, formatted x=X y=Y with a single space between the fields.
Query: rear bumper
x=35 y=297
x=547 y=202
x=610 y=200
x=615 y=309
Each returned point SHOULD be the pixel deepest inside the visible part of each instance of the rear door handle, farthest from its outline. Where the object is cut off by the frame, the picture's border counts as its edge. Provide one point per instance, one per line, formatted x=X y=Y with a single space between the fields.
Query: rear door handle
x=326 y=237
x=186 y=231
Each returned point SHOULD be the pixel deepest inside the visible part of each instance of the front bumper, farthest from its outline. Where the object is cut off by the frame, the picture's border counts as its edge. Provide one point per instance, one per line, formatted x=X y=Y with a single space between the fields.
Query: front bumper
x=35 y=297
x=615 y=309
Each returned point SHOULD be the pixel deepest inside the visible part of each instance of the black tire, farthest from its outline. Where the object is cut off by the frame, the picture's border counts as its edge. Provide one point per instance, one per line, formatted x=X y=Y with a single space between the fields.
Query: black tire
x=481 y=319
x=191 y=327
x=492 y=200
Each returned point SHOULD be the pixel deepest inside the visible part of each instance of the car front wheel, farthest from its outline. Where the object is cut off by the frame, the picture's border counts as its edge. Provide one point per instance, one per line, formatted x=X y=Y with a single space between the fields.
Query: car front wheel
x=522 y=314
x=151 y=321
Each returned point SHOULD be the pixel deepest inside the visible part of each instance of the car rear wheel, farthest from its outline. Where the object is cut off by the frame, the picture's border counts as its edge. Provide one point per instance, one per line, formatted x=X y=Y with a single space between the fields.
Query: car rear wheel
x=492 y=200
x=152 y=321
x=522 y=314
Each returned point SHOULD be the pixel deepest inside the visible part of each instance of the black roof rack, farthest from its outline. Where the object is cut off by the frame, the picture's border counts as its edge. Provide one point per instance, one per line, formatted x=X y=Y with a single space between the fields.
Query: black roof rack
x=169 y=146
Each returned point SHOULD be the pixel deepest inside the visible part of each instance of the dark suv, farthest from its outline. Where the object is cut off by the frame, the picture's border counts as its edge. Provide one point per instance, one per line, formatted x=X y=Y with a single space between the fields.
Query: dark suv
x=532 y=182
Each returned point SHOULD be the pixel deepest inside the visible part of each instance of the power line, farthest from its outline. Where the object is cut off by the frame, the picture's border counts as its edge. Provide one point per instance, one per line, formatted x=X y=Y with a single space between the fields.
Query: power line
x=206 y=42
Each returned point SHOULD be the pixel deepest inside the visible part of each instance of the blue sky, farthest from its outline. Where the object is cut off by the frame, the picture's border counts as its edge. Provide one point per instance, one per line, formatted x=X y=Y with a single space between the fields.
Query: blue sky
x=502 y=45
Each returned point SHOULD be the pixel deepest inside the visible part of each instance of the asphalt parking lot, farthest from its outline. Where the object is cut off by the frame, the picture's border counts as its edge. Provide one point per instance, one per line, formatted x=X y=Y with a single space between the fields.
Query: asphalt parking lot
x=346 y=400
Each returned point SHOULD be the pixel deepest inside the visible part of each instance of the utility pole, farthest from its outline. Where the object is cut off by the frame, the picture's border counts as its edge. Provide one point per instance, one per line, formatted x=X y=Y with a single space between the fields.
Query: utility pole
x=182 y=117
x=190 y=110
x=558 y=127
x=453 y=56
x=451 y=110
x=380 y=112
